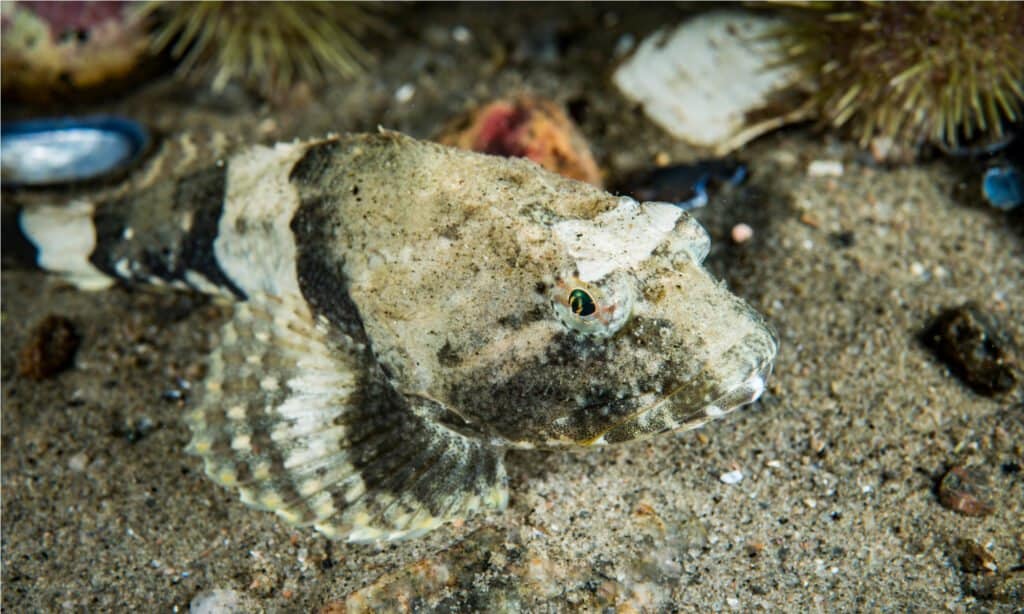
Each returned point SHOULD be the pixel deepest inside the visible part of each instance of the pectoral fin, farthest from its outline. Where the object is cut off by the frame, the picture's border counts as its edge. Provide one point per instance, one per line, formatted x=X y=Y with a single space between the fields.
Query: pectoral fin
x=295 y=417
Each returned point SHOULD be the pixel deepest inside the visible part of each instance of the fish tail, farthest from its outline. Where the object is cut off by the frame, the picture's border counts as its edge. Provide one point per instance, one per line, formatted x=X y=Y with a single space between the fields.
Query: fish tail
x=223 y=230
x=162 y=236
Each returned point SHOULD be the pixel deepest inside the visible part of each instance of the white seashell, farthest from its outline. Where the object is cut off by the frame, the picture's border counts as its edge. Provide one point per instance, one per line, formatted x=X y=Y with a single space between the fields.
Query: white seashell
x=704 y=80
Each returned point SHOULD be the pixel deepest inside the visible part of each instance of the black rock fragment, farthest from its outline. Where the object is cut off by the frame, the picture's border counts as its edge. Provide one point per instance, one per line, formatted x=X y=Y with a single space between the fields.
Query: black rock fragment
x=975 y=348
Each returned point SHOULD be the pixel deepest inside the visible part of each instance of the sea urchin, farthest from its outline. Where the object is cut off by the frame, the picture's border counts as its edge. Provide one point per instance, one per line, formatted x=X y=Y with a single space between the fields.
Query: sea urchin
x=266 y=45
x=938 y=71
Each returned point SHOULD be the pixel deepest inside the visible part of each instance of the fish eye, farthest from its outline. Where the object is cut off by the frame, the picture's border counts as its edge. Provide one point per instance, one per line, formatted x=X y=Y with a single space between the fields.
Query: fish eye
x=581 y=303
x=596 y=310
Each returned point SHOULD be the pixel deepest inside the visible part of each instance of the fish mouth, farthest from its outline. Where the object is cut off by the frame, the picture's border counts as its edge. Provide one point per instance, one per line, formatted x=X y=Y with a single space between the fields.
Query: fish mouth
x=705 y=397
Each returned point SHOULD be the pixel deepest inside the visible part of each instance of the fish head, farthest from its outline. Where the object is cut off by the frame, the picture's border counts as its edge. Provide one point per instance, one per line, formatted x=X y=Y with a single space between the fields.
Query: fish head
x=593 y=331
x=629 y=337
x=533 y=311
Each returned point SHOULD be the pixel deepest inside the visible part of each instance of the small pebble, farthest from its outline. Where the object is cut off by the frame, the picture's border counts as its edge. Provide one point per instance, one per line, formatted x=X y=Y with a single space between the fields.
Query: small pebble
x=816 y=444
x=825 y=168
x=49 y=349
x=975 y=558
x=732 y=477
x=809 y=220
x=405 y=93
x=741 y=233
x=964 y=490
x=844 y=239
x=135 y=429
x=461 y=35
x=172 y=395
x=881 y=147
x=78 y=462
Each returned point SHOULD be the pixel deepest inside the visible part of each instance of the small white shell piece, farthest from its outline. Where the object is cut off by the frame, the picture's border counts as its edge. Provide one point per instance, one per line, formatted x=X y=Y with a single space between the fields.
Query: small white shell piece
x=701 y=80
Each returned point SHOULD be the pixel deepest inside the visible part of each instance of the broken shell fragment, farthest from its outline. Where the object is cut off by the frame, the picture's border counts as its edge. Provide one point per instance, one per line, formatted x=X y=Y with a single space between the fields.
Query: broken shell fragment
x=525 y=127
x=714 y=81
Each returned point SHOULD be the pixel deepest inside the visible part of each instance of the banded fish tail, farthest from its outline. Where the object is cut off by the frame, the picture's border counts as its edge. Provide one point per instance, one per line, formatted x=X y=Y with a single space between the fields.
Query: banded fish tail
x=223 y=230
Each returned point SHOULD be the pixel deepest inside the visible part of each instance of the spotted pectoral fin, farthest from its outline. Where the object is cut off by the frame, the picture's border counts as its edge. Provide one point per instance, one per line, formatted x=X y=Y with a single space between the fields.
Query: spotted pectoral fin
x=293 y=417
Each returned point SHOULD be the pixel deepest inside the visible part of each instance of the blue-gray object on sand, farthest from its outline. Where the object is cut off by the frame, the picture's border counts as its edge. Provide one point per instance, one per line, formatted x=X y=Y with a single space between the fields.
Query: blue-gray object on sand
x=686 y=185
x=1003 y=187
x=61 y=151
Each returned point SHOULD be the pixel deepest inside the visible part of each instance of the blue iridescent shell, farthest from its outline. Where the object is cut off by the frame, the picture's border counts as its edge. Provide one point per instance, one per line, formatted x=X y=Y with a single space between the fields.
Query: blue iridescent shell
x=62 y=151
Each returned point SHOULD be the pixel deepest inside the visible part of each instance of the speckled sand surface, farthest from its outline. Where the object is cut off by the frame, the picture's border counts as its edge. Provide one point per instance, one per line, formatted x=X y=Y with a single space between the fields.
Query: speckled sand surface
x=836 y=509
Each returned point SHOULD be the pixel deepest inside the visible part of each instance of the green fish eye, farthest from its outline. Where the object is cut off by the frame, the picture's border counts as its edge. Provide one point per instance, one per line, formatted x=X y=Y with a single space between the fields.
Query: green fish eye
x=581 y=303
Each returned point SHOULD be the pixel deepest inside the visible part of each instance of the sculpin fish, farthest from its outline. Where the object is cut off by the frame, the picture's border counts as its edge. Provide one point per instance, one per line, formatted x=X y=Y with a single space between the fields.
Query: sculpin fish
x=404 y=313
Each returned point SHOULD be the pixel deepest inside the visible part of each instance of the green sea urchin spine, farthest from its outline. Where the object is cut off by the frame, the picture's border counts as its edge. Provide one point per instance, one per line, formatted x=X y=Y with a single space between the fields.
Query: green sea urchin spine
x=268 y=45
x=937 y=71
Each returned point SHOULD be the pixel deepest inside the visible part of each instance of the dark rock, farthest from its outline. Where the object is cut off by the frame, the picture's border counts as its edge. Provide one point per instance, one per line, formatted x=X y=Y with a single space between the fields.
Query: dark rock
x=976 y=348
x=1001 y=588
x=975 y=558
x=844 y=239
x=50 y=348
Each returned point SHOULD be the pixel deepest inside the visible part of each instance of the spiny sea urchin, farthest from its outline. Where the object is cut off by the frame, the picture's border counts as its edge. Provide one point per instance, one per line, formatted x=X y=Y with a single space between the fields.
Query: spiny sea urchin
x=266 y=45
x=938 y=71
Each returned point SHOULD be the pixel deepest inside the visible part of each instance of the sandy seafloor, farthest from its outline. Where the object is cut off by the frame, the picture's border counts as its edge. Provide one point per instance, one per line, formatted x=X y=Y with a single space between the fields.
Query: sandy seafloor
x=837 y=509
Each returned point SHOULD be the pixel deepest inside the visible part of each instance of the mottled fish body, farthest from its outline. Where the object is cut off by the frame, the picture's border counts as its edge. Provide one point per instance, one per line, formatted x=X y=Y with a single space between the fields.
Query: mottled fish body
x=404 y=312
